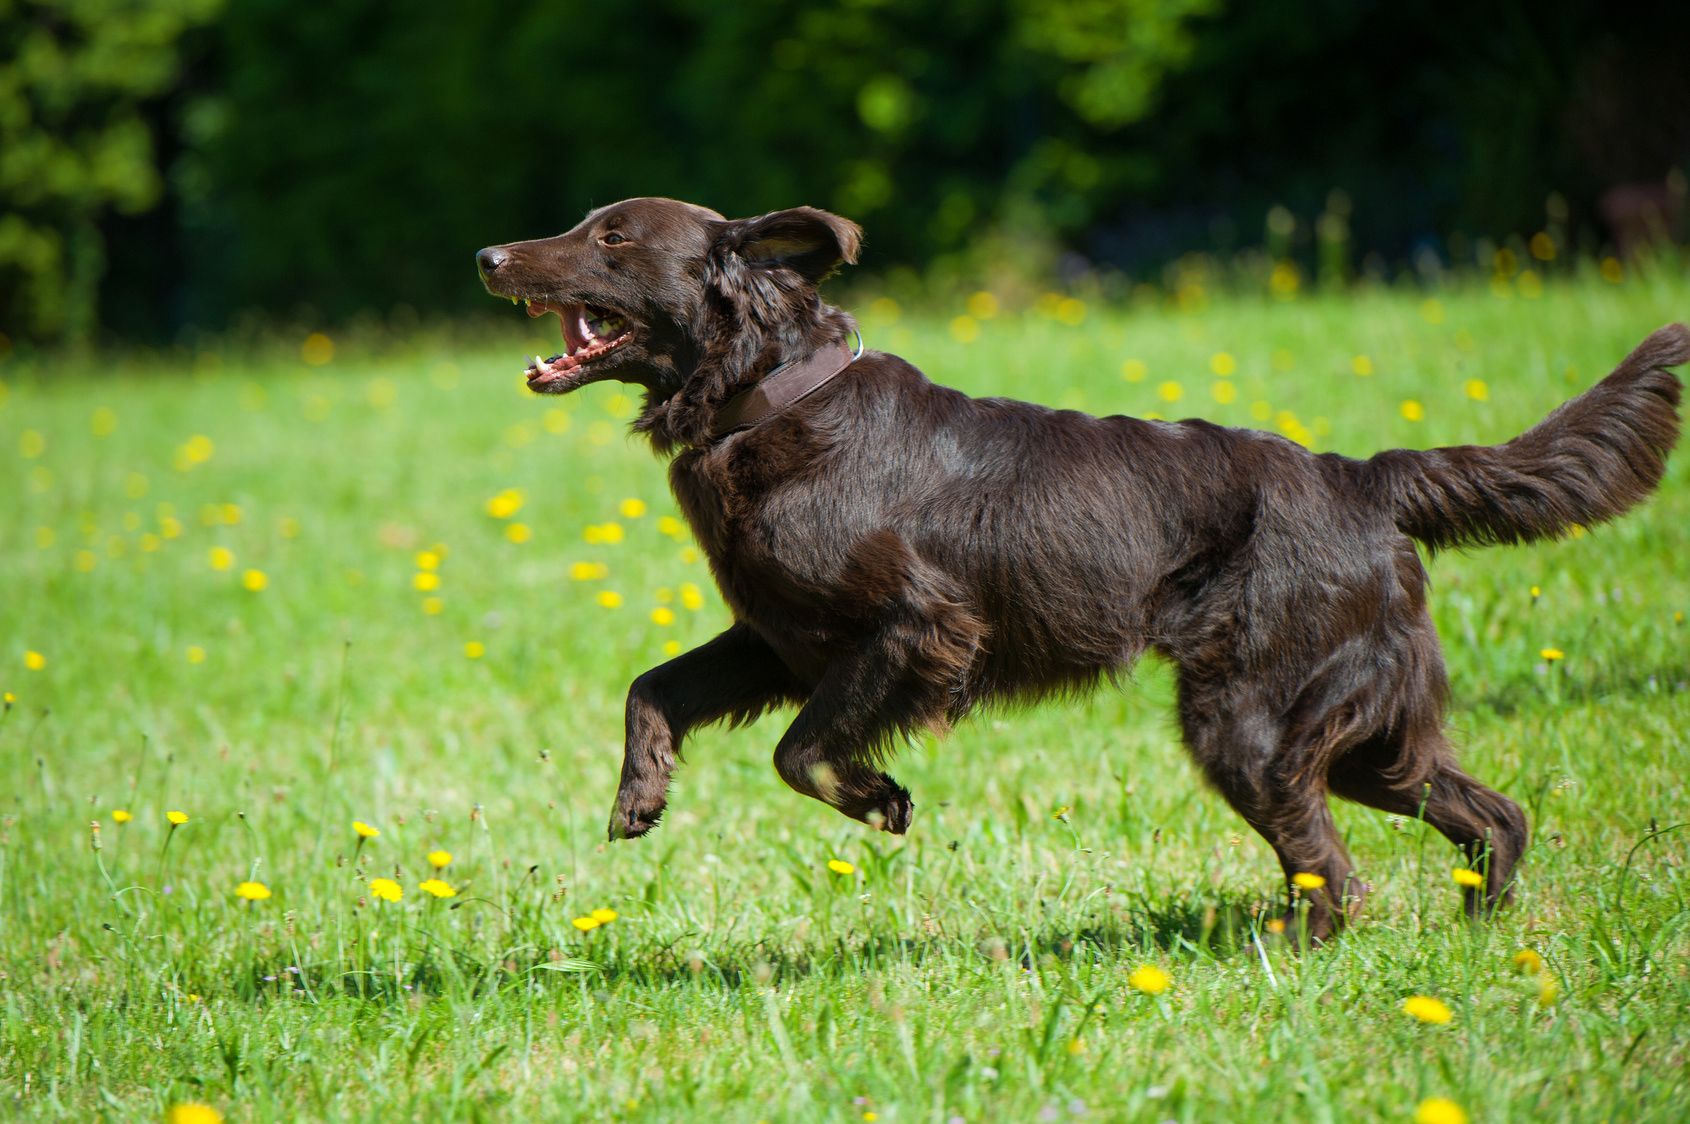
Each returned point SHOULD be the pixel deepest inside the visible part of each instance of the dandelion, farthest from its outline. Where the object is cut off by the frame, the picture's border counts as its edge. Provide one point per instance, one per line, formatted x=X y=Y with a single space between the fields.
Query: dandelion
x=669 y=525
x=965 y=329
x=1276 y=925
x=1547 y=990
x=1303 y=880
x=255 y=580
x=610 y=599
x=220 y=557
x=1170 y=391
x=177 y=819
x=386 y=889
x=252 y=891
x=194 y=654
x=840 y=866
x=671 y=647
x=1412 y=411
x=193 y=1113
x=364 y=830
x=1477 y=390
x=518 y=532
x=425 y=581
x=588 y=571
x=433 y=606
x=474 y=650
x=1427 y=1009
x=34 y=660
x=1134 y=370
x=1149 y=979
x=121 y=816
x=603 y=916
x=8 y=699
x=317 y=349
x=1362 y=365
x=1439 y=1110
x=691 y=596
x=631 y=508
x=1527 y=963
x=1224 y=392
x=427 y=560
x=1536 y=591
x=1076 y=1046
x=438 y=888
x=663 y=616
x=585 y=924
x=506 y=504
x=1550 y=655
x=440 y=860
x=1471 y=879
x=1223 y=364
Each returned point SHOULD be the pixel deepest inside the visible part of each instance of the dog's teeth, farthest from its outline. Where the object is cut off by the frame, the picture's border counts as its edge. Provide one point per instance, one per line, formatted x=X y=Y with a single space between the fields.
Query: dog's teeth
x=538 y=362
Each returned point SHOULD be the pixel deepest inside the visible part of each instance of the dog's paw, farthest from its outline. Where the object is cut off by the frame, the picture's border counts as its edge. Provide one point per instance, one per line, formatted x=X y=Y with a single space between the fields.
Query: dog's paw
x=631 y=822
x=888 y=809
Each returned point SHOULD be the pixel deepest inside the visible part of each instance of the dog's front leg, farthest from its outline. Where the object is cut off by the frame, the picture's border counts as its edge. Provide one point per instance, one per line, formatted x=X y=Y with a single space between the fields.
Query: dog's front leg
x=736 y=676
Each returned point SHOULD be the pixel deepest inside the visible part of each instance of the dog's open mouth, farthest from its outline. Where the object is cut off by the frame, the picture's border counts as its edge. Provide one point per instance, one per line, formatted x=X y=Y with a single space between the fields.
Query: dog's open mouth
x=589 y=333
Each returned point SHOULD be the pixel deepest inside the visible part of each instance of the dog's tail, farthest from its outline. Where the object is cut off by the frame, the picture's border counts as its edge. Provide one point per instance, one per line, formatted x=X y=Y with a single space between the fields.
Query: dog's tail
x=1593 y=458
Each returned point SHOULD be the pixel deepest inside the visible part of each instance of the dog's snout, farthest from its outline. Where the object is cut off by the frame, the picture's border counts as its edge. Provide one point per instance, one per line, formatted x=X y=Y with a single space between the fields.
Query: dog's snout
x=489 y=260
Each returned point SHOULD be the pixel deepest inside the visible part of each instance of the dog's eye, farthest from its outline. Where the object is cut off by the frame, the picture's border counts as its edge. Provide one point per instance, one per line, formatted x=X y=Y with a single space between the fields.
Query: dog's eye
x=612 y=239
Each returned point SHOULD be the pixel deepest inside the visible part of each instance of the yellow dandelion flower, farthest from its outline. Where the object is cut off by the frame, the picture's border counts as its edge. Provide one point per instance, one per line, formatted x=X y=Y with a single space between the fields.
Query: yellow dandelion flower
x=1547 y=990
x=8 y=699
x=965 y=329
x=603 y=916
x=1477 y=390
x=689 y=555
x=1550 y=655
x=1303 y=880
x=221 y=557
x=425 y=581
x=663 y=615
x=631 y=508
x=427 y=560
x=1149 y=979
x=255 y=580
x=1170 y=391
x=1362 y=365
x=177 y=819
x=317 y=349
x=671 y=647
x=1134 y=370
x=1076 y=1046
x=585 y=924
x=1536 y=592
x=1223 y=364
x=982 y=305
x=474 y=650
x=588 y=571
x=840 y=866
x=440 y=860
x=1224 y=392
x=1439 y=1110
x=438 y=888
x=506 y=504
x=1527 y=962
x=364 y=830
x=669 y=525
x=1412 y=411
x=121 y=815
x=252 y=891
x=193 y=1113
x=1427 y=1009
x=194 y=654
x=610 y=532
x=1471 y=879
x=691 y=596
x=386 y=889
x=34 y=660
x=433 y=606
x=1275 y=925
x=519 y=532
x=610 y=599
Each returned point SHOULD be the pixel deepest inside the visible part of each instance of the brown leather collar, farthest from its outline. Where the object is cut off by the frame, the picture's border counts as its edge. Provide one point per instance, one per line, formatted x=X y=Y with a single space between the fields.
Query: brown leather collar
x=780 y=388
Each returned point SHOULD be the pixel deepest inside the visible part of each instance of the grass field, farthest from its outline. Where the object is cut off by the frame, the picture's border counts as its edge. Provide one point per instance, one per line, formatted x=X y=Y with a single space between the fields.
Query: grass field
x=284 y=589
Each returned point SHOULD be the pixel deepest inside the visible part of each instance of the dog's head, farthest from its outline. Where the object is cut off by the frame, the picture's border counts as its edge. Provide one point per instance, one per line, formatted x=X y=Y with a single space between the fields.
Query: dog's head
x=675 y=298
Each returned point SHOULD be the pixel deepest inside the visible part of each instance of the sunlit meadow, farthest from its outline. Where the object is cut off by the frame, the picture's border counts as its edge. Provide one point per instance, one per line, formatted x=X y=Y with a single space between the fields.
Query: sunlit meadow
x=314 y=656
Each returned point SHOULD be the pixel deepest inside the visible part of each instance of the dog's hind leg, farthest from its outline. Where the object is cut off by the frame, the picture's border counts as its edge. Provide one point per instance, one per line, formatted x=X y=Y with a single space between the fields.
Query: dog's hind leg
x=1414 y=774
x=1277 y=785
x=735 y=676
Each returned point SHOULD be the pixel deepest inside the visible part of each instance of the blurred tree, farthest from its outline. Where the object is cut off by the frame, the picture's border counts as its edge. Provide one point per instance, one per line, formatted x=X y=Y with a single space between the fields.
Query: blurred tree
x=74 y=143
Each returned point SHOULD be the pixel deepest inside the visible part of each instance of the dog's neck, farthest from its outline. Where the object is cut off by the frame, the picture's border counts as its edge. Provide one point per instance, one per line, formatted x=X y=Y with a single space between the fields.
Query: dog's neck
x=688 y=417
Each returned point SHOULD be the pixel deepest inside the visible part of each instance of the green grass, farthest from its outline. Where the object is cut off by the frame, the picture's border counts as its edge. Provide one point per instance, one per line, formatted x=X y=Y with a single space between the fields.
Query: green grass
x=977 y=968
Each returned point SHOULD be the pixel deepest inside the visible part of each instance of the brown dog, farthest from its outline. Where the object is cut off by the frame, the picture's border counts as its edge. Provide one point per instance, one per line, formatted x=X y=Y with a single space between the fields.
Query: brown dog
x=896 y=552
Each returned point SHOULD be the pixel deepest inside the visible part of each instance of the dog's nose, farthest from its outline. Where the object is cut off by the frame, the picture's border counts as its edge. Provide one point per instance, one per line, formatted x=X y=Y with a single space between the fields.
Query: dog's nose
x=490 y=259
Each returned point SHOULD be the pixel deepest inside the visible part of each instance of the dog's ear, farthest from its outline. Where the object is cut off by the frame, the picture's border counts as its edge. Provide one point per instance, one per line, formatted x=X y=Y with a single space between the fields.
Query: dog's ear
x=810 y=242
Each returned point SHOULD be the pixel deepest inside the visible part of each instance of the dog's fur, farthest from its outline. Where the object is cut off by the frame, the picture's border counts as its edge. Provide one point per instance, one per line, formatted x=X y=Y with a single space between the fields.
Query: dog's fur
x=895 y=552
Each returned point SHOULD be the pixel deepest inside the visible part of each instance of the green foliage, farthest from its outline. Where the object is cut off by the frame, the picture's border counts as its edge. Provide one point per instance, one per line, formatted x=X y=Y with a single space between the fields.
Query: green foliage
x=979 y=966
x=75 y=76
